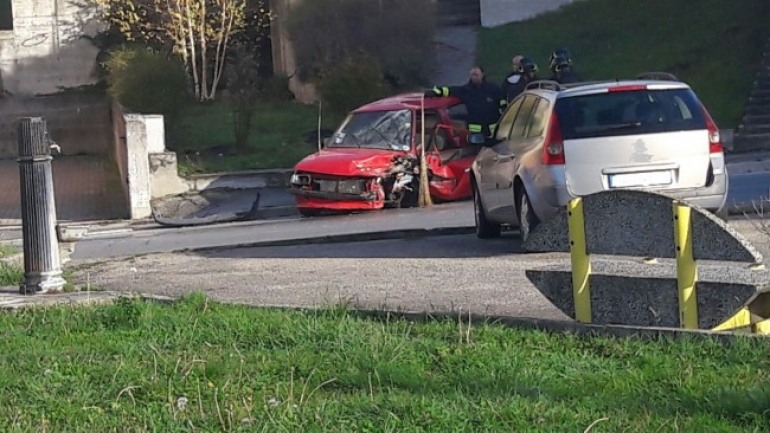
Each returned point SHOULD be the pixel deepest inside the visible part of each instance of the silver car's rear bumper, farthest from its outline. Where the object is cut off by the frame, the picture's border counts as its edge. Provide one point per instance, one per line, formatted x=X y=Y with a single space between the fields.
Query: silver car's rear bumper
x=711 y=198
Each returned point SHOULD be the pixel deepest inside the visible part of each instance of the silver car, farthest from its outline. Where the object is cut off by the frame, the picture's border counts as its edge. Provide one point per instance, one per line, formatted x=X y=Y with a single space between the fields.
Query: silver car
x=556 y=142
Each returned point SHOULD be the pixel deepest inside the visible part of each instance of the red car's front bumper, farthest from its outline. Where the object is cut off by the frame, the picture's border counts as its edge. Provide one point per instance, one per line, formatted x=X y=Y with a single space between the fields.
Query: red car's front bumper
x=309 y=199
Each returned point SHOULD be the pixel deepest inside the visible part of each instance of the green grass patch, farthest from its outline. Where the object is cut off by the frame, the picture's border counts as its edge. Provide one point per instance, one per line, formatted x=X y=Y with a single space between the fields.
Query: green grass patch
x=276 y=139
x=7 y=250
x=10 y=274
x=714 y=45
x=204 y=366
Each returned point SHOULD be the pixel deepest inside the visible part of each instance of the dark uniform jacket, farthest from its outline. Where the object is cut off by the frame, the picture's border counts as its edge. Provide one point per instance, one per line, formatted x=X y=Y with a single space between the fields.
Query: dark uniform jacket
x=513 y=85
x=484 y=102
x=564 y=77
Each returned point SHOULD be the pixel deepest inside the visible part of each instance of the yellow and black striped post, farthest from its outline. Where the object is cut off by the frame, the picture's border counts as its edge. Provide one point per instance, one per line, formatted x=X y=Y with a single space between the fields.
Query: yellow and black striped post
x=686 y=267
x=581 y=262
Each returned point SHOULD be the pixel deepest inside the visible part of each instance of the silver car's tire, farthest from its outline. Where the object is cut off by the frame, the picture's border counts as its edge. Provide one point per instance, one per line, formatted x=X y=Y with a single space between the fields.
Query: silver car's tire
x=528 y=221
x=485 y=229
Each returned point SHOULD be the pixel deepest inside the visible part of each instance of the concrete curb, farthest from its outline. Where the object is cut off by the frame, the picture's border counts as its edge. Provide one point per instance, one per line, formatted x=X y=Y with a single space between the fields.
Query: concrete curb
x=354 y=237
x=525 y=323
x=84 y=298
x=247 y=179
x=561 y=327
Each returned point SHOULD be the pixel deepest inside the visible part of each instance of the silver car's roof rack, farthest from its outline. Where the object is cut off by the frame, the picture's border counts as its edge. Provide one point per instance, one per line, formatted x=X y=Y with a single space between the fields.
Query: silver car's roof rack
x=656 y=75
x=544 y=84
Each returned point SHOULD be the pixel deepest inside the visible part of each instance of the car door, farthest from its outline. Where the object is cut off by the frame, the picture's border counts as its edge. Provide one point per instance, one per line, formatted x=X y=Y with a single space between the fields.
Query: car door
x=504 y=161
x=484 y=164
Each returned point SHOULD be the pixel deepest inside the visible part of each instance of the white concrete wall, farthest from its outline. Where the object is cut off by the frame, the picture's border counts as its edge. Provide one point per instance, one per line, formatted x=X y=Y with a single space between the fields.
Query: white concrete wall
x=139 y=194
x=498 y=12
x=150 y=171
x=156 y=133
x=45 y=51
x=164 y=175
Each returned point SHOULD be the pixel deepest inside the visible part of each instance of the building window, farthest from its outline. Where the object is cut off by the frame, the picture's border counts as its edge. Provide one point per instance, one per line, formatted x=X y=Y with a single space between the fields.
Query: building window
x=6 y=15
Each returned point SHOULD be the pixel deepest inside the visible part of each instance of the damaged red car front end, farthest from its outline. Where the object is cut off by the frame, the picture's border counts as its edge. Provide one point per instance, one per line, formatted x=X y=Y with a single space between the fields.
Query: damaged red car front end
x=372 y=161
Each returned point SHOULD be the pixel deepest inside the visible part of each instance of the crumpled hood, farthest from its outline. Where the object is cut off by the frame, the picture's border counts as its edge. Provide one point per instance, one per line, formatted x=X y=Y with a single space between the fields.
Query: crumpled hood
x=348 y=162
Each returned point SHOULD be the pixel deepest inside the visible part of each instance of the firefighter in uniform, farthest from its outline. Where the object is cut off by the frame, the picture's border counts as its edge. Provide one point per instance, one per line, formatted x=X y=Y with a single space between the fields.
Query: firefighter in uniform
x=483 y=100
x=524 y=71
x=561 y=67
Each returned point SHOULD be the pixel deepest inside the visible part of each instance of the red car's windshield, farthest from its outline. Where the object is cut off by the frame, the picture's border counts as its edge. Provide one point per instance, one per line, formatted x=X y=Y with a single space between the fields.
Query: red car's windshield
x=391 y=130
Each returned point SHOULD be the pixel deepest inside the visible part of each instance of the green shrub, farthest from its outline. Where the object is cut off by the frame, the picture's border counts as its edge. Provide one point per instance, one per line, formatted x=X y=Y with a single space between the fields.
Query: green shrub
x=146 y=81
x=243 y=87
x=350 y=84
x=397 y=32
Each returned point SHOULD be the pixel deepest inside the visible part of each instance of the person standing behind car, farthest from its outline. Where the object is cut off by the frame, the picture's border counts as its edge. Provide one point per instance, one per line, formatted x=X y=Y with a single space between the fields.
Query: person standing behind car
x=523 y=72
x=561 y=67
x=484 y=101
x=513 y=78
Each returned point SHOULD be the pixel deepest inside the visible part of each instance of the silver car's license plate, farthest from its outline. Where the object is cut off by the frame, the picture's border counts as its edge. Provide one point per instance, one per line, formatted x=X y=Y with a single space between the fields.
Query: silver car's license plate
x=649 y=178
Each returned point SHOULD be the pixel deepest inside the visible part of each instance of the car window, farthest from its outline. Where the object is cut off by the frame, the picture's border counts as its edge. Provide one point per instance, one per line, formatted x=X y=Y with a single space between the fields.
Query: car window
x=505 y=123
x=376 y=130
x=441 y=140
x=630 y=112
x=522 y=118
x=537 y=123
x=432 y=118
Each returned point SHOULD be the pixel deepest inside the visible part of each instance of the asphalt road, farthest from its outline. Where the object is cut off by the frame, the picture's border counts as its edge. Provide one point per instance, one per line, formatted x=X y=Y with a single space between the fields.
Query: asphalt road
x=442 y=273
x=743 y=189
x=748 y=187
x=176 y=239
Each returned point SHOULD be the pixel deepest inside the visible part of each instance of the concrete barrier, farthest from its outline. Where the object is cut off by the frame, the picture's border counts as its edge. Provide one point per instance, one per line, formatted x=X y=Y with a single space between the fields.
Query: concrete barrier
x=649 y=225
x=247 y=179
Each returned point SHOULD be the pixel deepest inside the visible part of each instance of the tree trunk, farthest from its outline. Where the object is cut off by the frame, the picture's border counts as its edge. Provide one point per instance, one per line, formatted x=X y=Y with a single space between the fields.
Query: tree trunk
x=203 y=37
x=190 y=27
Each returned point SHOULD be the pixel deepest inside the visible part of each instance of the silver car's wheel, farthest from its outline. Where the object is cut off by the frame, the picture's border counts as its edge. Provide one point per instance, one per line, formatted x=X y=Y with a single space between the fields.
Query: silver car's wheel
x=485 y=229
x=528 y=221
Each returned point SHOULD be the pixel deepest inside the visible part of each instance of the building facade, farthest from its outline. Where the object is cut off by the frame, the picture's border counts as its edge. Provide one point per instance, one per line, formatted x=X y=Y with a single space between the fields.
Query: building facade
x=44 y=45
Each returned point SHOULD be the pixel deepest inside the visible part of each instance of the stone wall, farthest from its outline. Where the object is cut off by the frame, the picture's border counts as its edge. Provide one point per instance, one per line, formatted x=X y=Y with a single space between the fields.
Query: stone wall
x=46 y=52
x=498 y=12
x=79 y=122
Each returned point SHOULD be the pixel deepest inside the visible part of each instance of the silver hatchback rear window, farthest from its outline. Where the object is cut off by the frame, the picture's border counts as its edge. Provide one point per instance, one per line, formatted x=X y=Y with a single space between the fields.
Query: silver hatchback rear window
x=629 y=112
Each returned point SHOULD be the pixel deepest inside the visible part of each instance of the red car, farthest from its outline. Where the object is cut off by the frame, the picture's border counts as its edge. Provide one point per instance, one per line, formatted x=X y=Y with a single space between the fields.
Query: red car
x=372 y=160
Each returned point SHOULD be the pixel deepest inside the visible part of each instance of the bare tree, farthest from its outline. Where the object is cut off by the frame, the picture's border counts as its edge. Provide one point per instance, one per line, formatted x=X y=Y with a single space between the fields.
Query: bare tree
x=200 y=31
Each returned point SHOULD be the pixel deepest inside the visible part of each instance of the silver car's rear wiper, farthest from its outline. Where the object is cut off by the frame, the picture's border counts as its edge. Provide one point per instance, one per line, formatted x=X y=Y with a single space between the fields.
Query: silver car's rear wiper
x=610 y=127
x=625 y=125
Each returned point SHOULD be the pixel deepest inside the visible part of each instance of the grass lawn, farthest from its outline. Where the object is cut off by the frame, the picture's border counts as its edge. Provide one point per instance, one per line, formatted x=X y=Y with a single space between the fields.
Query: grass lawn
x=10 y=275
x=203 y=366
x=7 y=250
x=276 y=139
x=714 y=45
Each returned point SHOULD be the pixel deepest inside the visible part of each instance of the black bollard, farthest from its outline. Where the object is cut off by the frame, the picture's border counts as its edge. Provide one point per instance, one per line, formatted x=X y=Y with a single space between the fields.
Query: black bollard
x=42 y=266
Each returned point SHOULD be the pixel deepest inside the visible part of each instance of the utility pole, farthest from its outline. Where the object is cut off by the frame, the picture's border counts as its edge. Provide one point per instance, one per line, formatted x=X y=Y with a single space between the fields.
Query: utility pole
x=42 y=266
x=423 y=198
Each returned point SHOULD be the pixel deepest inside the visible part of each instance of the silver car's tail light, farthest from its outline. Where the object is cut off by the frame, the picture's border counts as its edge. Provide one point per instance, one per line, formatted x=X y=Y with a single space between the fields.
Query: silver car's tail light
x=553 y=147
